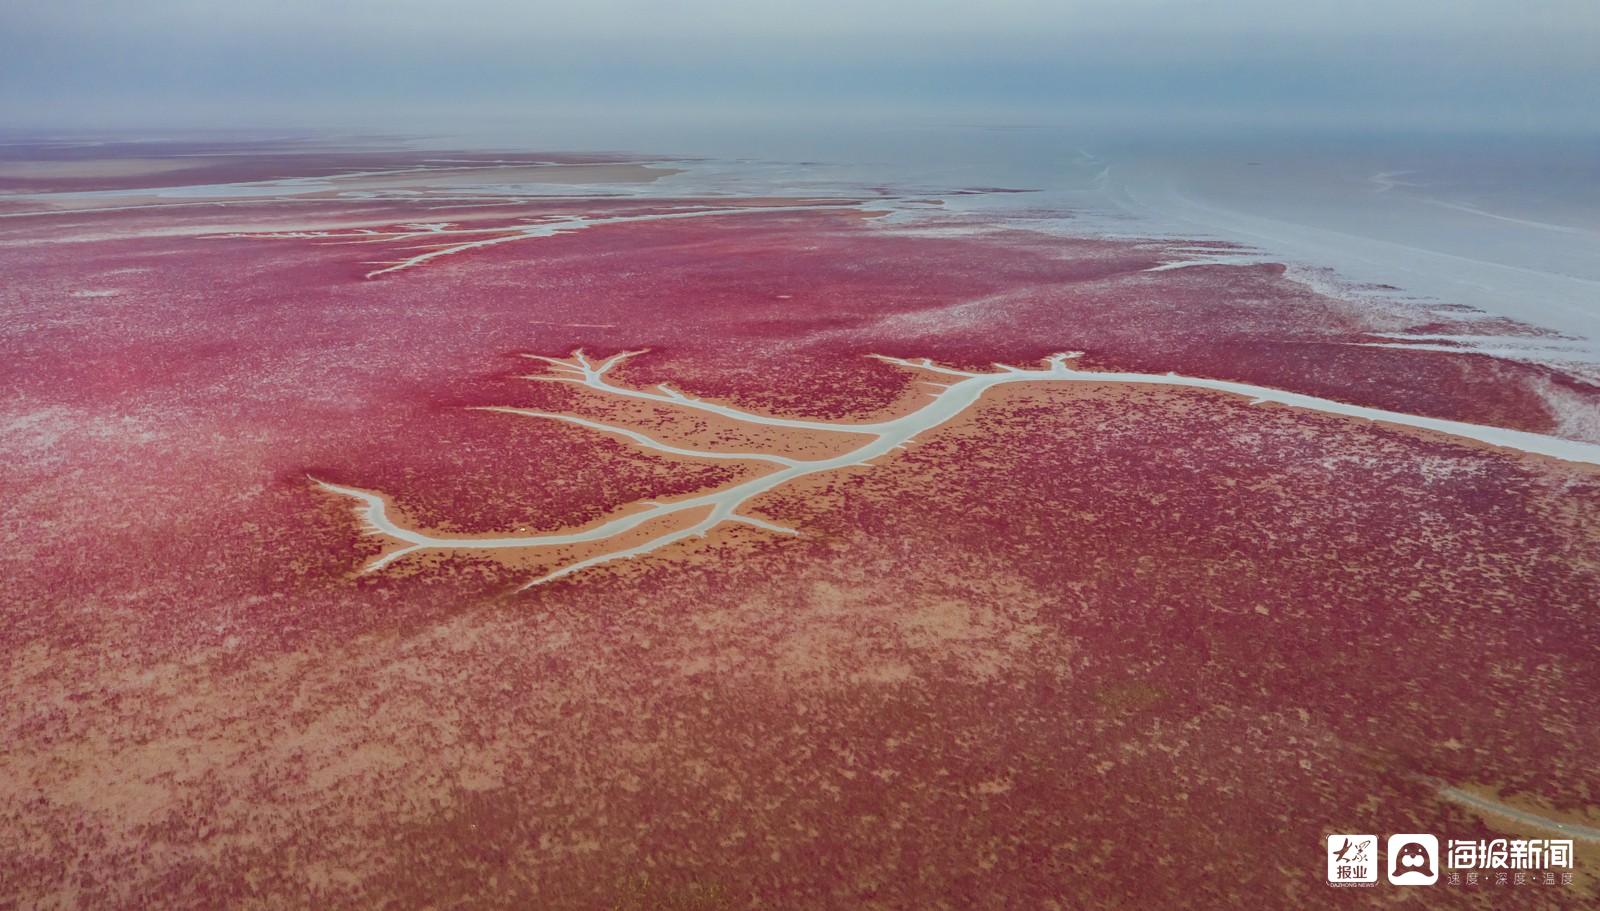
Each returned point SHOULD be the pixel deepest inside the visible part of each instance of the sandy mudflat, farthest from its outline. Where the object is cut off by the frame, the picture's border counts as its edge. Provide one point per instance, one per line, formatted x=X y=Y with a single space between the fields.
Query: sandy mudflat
x=554 y=173
x=99 y=167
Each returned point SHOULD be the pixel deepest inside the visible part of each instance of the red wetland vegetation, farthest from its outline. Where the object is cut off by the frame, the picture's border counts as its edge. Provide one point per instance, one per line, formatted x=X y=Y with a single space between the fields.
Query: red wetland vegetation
x=1083 y=643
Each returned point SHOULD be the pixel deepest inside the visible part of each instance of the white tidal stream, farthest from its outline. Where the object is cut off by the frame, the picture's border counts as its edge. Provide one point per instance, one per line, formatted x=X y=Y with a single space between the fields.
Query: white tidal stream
x=953 y=397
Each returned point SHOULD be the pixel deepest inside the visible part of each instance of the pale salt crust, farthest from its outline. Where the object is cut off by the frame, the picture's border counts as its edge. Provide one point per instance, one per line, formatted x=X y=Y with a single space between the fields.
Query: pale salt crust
x=1108 y=200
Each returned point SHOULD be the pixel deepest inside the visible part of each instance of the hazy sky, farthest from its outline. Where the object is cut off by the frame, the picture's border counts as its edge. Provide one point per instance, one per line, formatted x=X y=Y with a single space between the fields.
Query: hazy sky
x=397 y=64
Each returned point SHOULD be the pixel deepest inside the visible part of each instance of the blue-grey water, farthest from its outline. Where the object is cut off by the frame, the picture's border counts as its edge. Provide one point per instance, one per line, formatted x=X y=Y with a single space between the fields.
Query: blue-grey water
x=1508 y=225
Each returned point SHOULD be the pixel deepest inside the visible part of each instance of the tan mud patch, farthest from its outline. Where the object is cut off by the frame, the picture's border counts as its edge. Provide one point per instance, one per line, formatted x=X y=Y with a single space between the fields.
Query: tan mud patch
x=689 y=429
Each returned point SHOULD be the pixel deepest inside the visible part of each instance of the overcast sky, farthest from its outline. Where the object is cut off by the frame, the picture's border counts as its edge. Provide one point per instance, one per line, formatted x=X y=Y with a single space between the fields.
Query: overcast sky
x=397 y=64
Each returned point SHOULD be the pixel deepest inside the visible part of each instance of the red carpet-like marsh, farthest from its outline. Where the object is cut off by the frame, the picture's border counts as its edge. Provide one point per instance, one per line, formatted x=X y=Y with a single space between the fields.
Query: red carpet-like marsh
x=1084 y=641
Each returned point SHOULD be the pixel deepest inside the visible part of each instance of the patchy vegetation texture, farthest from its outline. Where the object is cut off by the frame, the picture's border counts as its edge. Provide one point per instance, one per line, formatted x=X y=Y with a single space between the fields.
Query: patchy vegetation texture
x=1083 y=644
